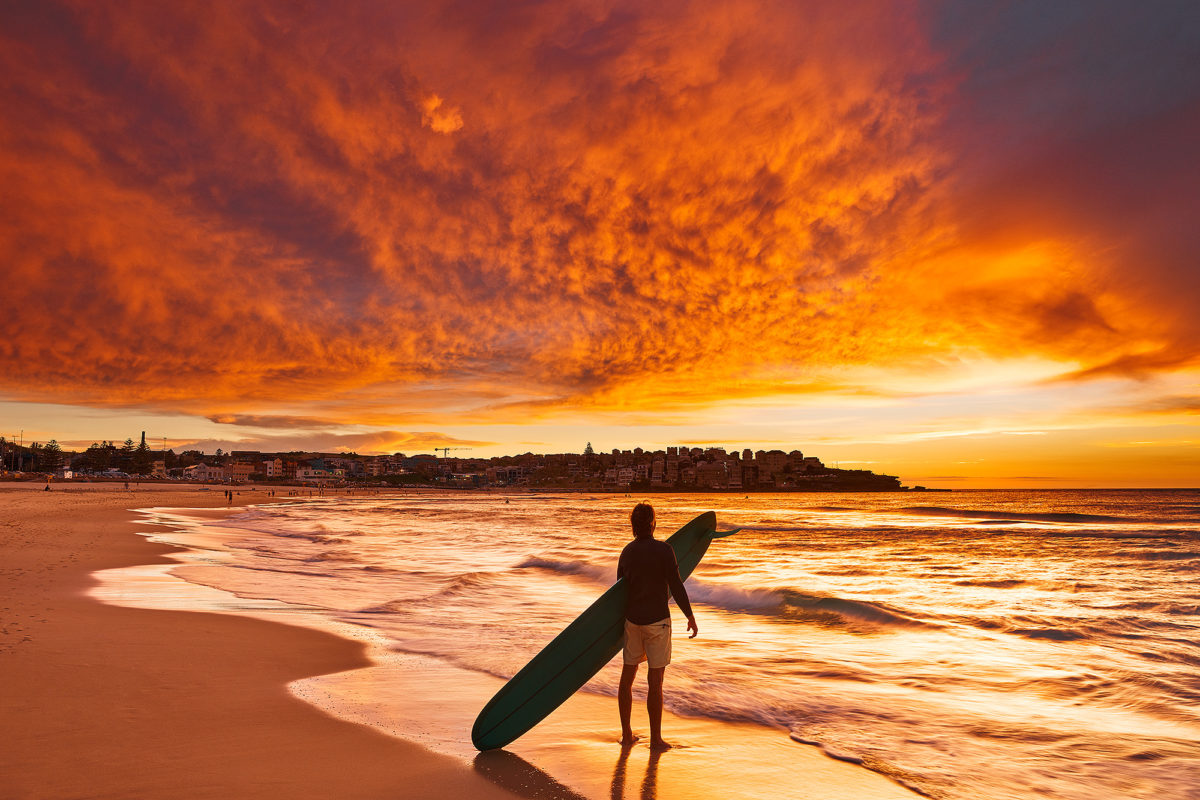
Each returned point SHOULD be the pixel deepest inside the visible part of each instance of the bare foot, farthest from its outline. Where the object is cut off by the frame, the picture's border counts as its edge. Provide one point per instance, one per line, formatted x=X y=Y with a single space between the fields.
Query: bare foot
x=659 y=745
x=628 y=739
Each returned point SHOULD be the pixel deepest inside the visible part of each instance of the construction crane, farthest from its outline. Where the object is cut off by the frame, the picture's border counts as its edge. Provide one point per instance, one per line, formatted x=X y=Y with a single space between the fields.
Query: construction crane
x=445 y=451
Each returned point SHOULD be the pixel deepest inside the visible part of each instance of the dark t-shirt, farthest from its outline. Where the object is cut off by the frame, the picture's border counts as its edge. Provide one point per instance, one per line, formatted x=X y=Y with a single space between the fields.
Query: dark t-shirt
x=649 y=568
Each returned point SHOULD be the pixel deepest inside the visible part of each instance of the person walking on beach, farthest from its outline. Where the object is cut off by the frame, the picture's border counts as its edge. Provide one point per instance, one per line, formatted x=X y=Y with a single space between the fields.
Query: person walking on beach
x=649 y=568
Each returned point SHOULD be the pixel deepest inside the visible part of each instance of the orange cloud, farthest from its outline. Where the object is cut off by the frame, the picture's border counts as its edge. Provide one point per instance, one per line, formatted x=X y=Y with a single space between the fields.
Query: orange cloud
x=439 y=118
x=231 y=208
x=371 y=443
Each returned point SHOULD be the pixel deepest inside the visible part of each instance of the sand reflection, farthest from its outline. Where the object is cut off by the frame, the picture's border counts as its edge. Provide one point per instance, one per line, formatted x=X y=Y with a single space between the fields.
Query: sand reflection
x=649 y=782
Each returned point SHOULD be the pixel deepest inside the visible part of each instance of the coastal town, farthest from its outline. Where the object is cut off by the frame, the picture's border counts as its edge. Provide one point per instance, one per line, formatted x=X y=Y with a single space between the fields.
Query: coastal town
x=669 y=469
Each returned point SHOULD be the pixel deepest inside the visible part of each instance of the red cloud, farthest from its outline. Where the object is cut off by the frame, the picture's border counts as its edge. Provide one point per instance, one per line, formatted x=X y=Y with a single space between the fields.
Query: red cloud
x=230 y=207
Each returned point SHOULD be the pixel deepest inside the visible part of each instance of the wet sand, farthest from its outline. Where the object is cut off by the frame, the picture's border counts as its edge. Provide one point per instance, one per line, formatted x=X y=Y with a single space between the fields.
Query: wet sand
x=103 y=701
x=100 y=700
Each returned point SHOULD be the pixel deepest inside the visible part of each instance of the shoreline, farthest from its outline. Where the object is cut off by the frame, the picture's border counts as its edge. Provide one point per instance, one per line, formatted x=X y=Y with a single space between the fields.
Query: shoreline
x=147 y=677
x=370 y=489
x=108 y=701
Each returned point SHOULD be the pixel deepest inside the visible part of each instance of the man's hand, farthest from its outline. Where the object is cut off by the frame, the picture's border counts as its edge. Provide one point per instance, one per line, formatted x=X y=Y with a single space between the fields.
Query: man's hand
x=693 y=627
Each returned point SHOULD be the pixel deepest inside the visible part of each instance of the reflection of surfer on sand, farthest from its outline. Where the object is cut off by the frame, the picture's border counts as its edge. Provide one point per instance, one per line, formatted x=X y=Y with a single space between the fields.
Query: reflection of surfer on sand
x=649 y=568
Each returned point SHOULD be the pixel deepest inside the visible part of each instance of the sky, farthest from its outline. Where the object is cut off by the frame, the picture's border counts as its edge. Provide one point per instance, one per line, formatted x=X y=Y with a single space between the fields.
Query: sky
x=951 y=242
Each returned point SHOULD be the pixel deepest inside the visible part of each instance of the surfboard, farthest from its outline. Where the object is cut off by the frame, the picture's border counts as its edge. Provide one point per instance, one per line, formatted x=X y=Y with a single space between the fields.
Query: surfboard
x=579 y=652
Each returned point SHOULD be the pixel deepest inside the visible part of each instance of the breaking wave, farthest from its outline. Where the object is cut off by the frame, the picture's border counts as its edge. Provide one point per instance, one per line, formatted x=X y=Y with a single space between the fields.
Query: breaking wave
x=594 y=571
x=1017 y=516
x=783 y=602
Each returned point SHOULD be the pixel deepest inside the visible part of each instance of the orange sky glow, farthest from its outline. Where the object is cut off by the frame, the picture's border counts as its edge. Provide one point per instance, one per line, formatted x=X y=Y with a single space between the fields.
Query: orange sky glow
x=946 y=242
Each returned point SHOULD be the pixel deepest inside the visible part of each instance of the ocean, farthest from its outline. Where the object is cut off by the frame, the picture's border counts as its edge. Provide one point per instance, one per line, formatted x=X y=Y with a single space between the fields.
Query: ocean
x=999 y=645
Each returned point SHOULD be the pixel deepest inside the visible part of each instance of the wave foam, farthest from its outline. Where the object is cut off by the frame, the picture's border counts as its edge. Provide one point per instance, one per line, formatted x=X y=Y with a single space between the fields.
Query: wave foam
x=1013 y=516
x=1159 y=555
x=1008 y=583
x=777 y=528
x=594 y=571
x=852 y=611
x=783 y=602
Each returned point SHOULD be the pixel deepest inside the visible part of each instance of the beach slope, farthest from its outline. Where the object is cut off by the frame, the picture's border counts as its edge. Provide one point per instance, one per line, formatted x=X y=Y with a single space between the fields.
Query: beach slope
x=104 y=701
x=101 y=700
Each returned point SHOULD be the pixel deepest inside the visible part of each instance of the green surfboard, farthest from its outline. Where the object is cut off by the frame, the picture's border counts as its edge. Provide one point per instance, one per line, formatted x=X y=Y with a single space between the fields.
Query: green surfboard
x=579 y=652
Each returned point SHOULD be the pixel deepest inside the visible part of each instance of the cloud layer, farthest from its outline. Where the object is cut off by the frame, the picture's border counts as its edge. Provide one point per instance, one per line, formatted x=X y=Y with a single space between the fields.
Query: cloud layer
x=401 y=211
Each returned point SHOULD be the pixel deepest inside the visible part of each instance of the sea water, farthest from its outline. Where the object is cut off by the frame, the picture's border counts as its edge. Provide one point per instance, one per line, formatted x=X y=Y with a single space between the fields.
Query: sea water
x=1008 y=644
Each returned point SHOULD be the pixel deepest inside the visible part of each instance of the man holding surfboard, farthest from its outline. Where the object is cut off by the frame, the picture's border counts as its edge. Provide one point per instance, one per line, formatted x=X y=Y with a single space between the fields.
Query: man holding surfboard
x=585 y=646
x=649 y=568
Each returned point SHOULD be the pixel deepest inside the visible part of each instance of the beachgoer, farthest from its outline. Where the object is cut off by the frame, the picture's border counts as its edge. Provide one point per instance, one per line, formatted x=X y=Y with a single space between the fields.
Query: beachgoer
x=649 y=568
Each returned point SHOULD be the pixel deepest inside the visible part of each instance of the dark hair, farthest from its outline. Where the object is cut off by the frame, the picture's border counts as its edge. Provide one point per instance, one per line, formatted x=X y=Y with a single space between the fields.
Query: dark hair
x=642 y=520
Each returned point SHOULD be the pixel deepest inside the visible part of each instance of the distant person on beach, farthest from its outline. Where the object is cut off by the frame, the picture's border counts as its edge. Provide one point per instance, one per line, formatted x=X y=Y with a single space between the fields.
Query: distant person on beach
x=649 y=568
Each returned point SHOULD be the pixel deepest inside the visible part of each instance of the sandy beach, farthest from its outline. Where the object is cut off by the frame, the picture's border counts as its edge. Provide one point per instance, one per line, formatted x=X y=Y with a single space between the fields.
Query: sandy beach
x=106 y=701
x=100 y=701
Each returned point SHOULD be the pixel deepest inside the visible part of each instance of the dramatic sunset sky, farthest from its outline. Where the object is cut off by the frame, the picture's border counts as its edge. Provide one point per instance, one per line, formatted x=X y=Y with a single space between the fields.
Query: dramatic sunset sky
x=954 y=242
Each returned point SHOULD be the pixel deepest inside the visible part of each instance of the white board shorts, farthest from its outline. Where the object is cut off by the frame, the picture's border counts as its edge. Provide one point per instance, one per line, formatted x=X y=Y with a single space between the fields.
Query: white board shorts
x=650 y=643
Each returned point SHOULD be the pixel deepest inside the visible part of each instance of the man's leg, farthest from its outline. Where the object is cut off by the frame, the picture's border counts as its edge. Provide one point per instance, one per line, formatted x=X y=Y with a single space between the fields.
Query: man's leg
x=654 y=705
x=625 y=701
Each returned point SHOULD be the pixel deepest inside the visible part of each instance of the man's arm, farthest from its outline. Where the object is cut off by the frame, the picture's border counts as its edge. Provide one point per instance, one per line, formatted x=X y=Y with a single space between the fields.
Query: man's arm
x=675 y=583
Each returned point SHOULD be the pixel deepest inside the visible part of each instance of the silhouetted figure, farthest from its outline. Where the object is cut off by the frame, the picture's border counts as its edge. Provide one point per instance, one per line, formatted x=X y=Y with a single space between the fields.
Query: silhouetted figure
x=650 y=570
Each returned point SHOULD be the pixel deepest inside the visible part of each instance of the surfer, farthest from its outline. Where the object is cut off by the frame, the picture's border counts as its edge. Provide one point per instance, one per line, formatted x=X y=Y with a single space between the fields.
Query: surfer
x=649 y=567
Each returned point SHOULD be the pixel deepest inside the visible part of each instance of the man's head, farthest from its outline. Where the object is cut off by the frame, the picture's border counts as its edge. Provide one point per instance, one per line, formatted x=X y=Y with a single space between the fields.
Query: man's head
x=642 y=520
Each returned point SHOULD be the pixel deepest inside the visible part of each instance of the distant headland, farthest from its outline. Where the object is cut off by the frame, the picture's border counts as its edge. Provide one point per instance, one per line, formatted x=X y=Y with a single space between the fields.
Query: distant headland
x=686 y=469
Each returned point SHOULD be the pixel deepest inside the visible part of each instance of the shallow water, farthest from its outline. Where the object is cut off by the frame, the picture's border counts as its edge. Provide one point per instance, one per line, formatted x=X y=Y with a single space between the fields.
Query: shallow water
x=974 y=644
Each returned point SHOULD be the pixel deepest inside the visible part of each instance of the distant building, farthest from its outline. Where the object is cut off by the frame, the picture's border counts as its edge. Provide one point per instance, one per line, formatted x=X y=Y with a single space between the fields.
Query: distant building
x=505 y=476
x=770 y=463
x=711 y=475
x=242 y=470
x=749 y=476
x=421 y=462
x=205 y=473
x=313 y=474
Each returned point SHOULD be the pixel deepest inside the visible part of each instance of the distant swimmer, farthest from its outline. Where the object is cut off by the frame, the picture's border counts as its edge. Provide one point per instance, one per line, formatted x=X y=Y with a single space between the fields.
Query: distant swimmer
x=649 y=567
